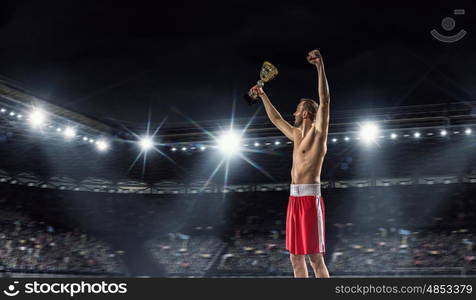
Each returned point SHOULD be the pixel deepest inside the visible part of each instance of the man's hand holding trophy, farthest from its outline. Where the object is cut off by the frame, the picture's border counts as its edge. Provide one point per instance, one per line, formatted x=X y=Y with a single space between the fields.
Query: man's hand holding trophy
x=268 y=72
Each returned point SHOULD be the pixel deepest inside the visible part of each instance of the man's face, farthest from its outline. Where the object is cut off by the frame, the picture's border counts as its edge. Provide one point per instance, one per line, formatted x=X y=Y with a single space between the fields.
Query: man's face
x=298 y=115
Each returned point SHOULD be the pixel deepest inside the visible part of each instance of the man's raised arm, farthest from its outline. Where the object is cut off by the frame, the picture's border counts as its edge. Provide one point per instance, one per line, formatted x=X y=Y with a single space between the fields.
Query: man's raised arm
x=322 y=120
x=273 y=115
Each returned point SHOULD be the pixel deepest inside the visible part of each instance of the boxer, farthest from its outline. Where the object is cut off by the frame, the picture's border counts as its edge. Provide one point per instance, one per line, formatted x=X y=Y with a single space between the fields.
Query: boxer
x=305 y=228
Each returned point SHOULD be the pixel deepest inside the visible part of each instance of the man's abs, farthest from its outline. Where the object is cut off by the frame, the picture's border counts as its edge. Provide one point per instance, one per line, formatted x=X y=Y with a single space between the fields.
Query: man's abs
x=307 y=167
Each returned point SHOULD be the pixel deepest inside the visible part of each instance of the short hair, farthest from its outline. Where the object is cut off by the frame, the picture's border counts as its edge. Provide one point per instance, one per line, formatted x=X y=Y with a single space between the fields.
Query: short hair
x=310 y=106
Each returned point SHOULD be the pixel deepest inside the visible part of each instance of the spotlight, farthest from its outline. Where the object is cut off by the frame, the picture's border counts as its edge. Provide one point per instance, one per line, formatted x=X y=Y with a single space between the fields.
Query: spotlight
x=69 y=132
x=37 y=117
x=12 y=114
x=184 y=148
x=256 y=144
x=203 y=148
x=369 y=132
x=416 y=135
x=3 y=110
x=58 y=129
x=277 y=143
x=19 y=116
x=146 y=143
x=346 y=139
x=174 y=149
x=102 y=145
x=334 y=140
x=468 y=131
x=443 y=132
x=393 y=136
x=229 y=143
x=85 y=139
x=91 y=141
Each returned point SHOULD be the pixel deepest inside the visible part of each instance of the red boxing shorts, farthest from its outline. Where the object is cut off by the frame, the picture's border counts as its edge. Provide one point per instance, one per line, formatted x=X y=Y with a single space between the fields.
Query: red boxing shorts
x=305 y=230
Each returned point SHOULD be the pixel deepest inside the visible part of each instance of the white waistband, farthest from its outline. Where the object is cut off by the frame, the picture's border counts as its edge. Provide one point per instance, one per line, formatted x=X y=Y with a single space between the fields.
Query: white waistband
x=305 y=190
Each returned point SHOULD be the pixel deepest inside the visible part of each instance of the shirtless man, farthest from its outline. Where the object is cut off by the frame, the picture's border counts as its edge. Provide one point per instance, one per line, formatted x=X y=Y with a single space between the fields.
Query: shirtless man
x=305 y=231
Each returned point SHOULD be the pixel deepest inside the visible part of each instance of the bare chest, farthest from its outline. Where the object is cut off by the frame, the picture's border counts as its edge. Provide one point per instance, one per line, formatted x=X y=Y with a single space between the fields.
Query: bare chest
x=303 y=145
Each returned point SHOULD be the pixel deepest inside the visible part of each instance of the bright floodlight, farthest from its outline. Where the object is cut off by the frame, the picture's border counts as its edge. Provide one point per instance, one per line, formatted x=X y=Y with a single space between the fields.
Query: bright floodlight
x=174 y=149
x=146 y=143
x=69 y=132
x=277 y=143
x=416 y=134
x=443 y=132
x=256 y=144
x=468 y=131
x=203 y=148
x=369 y=132
x=37 y=117
x=346 y=138
x=229 y=143
x=334 y=140
x=102 y=145
x=393 y=136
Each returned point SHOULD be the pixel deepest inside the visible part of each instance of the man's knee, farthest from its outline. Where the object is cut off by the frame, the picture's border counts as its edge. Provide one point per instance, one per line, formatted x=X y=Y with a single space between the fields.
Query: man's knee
x=297 y=260
x=317 y=260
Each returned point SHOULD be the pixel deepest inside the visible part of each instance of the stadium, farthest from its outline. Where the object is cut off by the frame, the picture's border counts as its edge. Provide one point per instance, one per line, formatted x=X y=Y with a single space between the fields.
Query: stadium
x=87 y=194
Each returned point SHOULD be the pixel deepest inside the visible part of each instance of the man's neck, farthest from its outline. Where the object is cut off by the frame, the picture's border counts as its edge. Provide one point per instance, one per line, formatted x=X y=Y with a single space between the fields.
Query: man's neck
x=305 y=126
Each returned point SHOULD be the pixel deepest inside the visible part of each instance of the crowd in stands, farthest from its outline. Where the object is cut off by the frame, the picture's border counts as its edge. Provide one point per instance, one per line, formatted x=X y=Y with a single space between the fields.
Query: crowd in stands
x=387 y=230
x=385 y=251
x=255 y=253
x=398 y=251
x=29 y=245
x=184 y=254
x=369 y=231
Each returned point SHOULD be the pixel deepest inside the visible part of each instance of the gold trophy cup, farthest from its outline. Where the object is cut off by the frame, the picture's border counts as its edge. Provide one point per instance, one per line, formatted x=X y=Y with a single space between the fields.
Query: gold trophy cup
x=268 y=72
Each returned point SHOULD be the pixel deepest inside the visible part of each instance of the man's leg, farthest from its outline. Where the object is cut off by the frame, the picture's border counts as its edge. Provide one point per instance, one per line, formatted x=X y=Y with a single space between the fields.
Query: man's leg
x=299 y=265
x=318 y=265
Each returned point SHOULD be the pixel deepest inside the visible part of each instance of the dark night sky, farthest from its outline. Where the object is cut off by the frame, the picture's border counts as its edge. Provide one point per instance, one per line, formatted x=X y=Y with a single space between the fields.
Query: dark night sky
x=115 y=61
